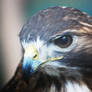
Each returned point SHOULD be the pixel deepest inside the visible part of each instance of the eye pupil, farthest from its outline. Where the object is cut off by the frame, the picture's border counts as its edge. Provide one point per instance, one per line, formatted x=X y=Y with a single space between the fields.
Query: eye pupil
x=64 y=41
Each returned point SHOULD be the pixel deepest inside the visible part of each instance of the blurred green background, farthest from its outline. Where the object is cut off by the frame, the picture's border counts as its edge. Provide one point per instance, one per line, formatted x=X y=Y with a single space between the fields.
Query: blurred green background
x=28 y=8
x=35 y=5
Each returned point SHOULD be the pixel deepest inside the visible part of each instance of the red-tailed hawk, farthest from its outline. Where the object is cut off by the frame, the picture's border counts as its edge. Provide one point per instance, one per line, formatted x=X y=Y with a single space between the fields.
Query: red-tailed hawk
x=57 y=53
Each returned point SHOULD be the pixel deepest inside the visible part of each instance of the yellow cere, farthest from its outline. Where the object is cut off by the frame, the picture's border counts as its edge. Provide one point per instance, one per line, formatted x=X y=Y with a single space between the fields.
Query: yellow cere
x=32 y=51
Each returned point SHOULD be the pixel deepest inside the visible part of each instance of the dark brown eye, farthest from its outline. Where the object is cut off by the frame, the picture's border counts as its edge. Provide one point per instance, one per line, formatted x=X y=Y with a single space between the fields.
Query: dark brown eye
x=64 y=41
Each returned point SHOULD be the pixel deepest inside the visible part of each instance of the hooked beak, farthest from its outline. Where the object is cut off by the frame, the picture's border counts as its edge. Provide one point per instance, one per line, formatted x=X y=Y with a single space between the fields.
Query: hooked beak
x=31 y=60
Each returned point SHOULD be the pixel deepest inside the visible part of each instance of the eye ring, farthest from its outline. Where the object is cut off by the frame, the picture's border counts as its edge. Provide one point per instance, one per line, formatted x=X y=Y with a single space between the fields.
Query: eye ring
x=63 y=41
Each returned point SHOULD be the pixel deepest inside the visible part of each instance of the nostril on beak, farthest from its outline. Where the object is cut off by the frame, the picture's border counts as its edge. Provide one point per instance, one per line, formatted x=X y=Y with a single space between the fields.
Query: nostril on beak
x=35 y=57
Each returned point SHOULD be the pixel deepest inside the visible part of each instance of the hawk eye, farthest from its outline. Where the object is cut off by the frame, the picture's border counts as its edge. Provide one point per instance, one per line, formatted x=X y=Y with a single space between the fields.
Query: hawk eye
x=64 y=41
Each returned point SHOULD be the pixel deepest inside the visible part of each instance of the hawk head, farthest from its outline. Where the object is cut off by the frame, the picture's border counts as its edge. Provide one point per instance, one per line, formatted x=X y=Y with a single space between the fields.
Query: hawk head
x=57 y=47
